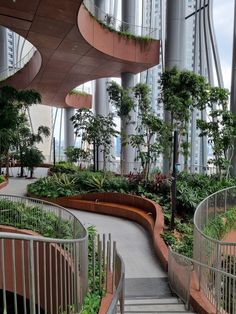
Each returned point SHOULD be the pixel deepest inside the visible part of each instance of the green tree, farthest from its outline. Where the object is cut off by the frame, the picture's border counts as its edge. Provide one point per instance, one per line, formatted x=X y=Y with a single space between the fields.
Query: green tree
x=32 y=157
x=12 y=103
x=181 y=91
x=220 y=128
x=95 y=129
x=75 y=154
x=123 y=101
x=150 y=130
x=22 y=138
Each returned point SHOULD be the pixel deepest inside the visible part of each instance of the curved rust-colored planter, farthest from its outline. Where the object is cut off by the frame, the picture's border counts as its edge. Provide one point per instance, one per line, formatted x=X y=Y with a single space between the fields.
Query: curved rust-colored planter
x=145 y=212
x=79 y=101
x=74 y=47
x=45 y=269
x=115 y=45
x=3 y=184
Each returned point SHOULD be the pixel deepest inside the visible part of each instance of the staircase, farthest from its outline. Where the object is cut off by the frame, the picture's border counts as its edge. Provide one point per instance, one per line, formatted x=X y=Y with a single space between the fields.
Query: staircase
x=154 y=306
x=151 y=296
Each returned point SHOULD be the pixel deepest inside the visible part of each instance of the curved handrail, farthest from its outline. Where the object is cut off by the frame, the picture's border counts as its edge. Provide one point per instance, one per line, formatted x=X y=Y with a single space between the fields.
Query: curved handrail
x=52 y=265
x=214 y=260
x=197 y=213
x=18 y=65
x=117 y=25
x=56 y=209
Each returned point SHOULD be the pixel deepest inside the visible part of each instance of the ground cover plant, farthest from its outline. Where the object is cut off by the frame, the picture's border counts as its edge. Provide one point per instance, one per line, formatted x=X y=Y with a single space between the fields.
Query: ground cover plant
x=191 y=190
x=34 y=218
x=47 y=224
x=221 y=224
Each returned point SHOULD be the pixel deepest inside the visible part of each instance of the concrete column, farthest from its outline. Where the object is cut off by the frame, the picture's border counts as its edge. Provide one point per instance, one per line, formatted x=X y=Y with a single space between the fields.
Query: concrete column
x=128 y=128
x=3 y=49
x=69 y=136
x=175 y=34
x=233 y=90
x=129 y=9
x=101 y=108
x=174 y=47
x=128 y=13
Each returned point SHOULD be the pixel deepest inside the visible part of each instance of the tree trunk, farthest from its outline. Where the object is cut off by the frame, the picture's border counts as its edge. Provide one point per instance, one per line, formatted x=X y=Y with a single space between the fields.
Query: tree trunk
x=31 y=173
x=7 y=164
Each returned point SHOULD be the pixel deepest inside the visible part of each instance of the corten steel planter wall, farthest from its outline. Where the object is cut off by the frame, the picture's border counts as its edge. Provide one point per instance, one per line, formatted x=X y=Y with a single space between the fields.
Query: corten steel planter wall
x=50 y=273
x=52 y=268
x=114 y=45
x=79 y=101
x=145 y=212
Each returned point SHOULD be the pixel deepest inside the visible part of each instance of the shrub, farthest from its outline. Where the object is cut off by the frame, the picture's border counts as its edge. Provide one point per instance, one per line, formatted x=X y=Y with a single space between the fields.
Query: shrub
x=217 y=227
x=34 y=218
x=54 y=186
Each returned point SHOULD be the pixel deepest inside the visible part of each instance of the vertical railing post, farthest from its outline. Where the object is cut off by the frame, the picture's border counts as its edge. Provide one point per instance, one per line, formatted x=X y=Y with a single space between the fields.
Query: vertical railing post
x=31 y=276
x=76 y=277
x=218 y=277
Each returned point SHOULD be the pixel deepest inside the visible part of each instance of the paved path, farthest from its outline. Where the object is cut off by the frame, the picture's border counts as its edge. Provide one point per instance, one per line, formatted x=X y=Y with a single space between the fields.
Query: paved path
x=144 y=275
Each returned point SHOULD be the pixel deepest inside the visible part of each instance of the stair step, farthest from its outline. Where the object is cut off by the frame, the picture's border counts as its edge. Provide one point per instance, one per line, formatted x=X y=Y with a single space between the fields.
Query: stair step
x=154 y=306
x=153 y=301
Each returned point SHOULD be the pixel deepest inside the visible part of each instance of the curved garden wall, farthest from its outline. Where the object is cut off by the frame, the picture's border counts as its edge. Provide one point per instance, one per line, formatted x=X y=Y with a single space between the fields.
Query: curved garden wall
x=52 y=269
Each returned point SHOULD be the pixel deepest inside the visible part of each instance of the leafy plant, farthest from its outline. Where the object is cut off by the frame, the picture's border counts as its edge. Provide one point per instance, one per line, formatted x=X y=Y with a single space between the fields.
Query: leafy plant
x=54 y=186
x=220 y=225
x=34 y=218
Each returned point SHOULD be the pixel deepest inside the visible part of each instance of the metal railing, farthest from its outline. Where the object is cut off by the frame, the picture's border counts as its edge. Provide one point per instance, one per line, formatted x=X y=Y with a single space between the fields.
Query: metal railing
x=111 y=22
x=18 y=65
x=214 y=252
x=218 y=285
x=110 y=271
x=46 y=267
x=41 y=273
x=214 y=261
x=118 y=284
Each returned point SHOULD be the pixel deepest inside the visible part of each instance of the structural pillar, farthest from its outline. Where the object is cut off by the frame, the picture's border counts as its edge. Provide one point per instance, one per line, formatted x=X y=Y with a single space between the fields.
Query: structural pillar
x=101 y=108
x=128 y=81
x=174 y=52
x=233 y=90
x=69 y=135
x=127 y=128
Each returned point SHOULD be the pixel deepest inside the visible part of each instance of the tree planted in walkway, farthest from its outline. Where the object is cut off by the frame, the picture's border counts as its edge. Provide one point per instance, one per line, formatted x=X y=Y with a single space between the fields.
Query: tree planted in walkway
x=32 y=157
x=12 y=103
x=95 y=130
x=23 y=138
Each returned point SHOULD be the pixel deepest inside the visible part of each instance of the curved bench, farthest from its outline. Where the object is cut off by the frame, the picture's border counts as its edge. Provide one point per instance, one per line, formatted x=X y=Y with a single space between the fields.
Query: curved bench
x=139 y=209
x=143 y=211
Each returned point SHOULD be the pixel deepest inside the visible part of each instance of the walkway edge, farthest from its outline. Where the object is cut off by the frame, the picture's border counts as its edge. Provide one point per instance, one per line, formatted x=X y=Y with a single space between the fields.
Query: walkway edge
x=140 y=210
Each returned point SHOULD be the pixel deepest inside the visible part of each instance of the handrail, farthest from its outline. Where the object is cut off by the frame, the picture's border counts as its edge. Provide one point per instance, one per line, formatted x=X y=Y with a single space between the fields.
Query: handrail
x=36 y=202
x=215 y=259
x=206 y=201
x=119 y=285
x=47 y=273
x=117 y=25
x=18 y=65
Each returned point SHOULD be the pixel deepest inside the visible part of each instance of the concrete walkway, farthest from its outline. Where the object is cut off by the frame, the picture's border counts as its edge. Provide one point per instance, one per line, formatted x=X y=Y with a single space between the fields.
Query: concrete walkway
x=133 y=242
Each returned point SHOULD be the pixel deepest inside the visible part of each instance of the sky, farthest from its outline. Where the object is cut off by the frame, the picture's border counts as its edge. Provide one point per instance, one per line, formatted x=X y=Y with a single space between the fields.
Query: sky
x=223 y=22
